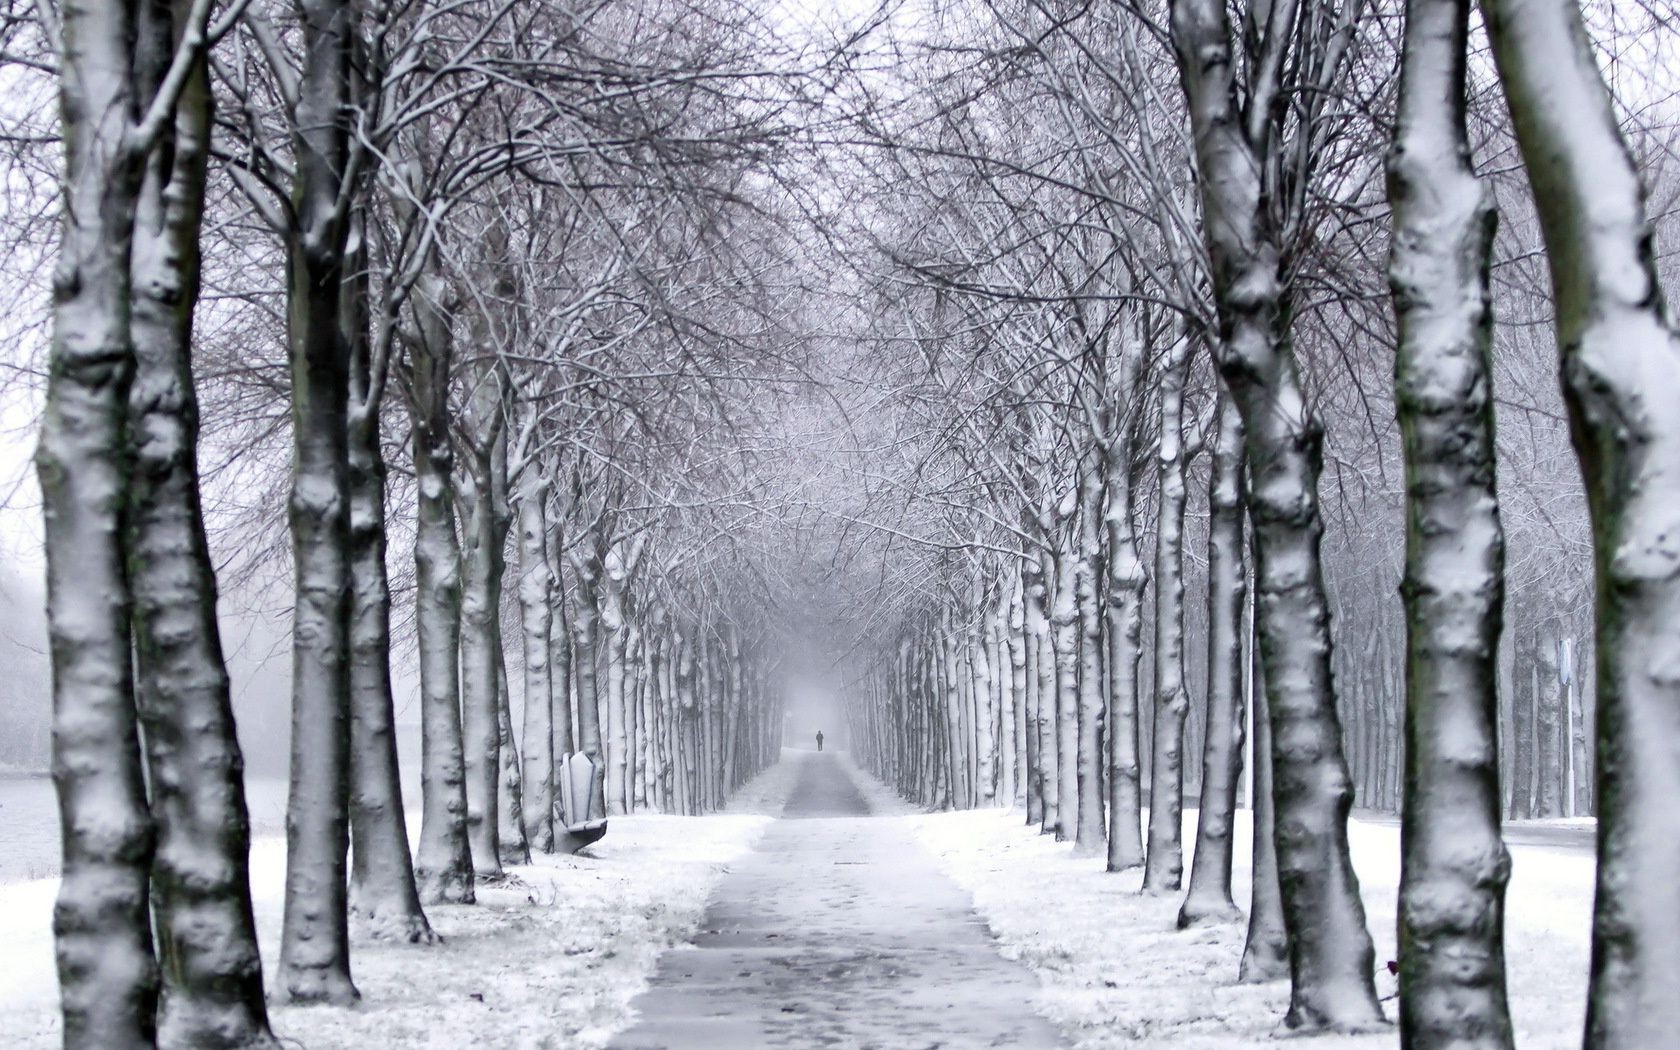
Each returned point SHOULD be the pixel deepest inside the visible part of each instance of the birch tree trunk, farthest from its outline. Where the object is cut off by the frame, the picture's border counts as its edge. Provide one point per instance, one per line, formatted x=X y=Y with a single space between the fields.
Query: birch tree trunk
x=1620 y=357
x=1331 y=957
x=1209 y=899
x=314 y=943
x=1453 y=865
x=443 y=868
x=1163 y=870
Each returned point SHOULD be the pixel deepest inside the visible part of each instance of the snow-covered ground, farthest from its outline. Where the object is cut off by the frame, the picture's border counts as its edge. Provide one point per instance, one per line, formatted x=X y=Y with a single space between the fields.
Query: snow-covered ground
x=1117 y=973
x=551 y=959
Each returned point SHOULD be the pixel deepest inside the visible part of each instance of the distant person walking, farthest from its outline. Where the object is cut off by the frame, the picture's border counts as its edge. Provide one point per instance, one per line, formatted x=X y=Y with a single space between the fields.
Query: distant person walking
x=819 y=740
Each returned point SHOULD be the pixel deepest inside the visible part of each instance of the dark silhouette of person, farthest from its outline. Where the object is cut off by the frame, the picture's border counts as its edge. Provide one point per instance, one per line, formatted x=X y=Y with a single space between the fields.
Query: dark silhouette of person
x=819 y=740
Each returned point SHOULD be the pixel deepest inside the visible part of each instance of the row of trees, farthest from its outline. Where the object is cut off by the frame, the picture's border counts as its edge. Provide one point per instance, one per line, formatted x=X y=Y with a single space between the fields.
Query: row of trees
x=541 y=229
x=1116 y=317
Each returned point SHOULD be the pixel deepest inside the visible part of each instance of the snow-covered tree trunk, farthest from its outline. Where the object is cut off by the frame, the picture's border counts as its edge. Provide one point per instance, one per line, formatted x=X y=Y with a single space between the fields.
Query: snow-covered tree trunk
x=1209 y=899
x=1064 y=640
x=1090 y=836
x=560 y=658
x=1580 y=754
x=1032 y=632
x=1266 y=947
x=107 y=973
x=1232 y=127
x=1550 y=698
x=480 y=634
x=614 y=619
x=1002 y=679
x=511 y=843
x=443 y=868
x=1521 y=788
x=314 y=943
x=1620 y=361
x=1013 y=625
x=1124 y=633
x=585 y=622
x=536 y=621
x=1163 y=869
x=1453 y=865
x=206 y=937
x=382 y=889
x=1045 y=728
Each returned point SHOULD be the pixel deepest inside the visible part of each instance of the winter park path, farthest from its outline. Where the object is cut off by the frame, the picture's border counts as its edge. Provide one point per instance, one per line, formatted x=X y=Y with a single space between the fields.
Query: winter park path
x=838 y=931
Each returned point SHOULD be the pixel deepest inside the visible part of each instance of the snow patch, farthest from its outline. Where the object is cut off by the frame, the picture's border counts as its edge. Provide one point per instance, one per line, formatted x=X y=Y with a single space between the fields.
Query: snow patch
x=550 y=958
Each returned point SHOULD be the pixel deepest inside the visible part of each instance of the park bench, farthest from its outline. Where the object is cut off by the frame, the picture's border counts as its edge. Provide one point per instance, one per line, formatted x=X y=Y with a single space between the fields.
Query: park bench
x=578 y=824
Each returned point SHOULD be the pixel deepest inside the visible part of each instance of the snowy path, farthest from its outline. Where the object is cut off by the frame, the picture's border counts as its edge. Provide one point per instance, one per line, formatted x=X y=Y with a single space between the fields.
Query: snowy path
x=838 y=931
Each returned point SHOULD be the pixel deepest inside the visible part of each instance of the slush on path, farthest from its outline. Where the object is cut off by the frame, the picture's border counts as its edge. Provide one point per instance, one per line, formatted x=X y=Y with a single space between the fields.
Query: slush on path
x=838 y=931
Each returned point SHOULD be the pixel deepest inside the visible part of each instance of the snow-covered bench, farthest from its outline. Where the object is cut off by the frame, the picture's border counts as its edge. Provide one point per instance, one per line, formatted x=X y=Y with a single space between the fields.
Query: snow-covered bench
x=577 y=825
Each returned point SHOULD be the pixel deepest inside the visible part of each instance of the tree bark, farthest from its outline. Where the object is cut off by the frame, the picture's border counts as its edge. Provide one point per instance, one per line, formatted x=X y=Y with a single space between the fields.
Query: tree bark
x=510 y=788
x=1090 y=836
x=443 y=863
x=1163 y=870
x=382 y=888
x=1453 y=866
x=536 y=608
x=1266 y=948
x=107 y=973
x=1064 y=642
x=480 y=627
x=1209 y=899
x=1331 y=957
x=206 y=935
x=1126 y=581
x=315 y=943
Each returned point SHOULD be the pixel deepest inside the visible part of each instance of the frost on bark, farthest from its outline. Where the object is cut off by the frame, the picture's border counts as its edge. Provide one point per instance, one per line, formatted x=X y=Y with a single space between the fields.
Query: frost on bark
x=107 y=974
x=1453 y=864
x=443 y=861
x=1163 y=869
x=1209 y=899
x=1621 y=364
x=315 y=947
x=536 y=621
x=382 y=889
x=206 y=935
